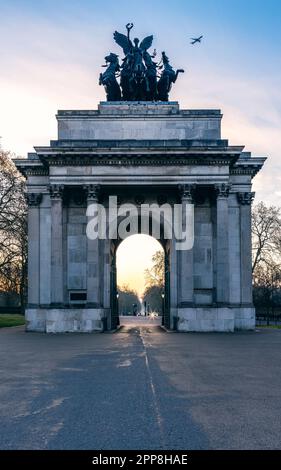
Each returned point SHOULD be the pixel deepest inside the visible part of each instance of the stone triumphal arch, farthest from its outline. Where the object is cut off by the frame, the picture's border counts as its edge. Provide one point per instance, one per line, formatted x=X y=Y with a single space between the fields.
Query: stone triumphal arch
x=141 y=152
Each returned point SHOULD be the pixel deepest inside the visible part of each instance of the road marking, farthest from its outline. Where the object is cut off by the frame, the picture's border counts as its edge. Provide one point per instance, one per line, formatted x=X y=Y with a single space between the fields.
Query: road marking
x=126 y=363
x=159 y=418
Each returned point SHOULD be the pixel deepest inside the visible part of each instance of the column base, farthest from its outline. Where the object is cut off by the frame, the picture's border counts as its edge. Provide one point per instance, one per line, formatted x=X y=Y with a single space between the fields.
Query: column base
x=63 y=320
x=216 y=319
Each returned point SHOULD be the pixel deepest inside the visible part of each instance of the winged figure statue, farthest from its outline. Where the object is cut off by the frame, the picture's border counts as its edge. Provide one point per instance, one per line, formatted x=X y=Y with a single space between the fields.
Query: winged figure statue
x=133 y=71
x=138 y=72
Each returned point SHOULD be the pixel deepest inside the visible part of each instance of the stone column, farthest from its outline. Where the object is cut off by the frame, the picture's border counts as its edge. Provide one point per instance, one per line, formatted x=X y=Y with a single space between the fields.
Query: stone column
x=186 y=256
x=45 y=251
x=234 y=251
x=173 y=275
x=93 y=277
x=56 y=194
x=245 y=200
x=34 y=201
x=106 y=272
x=222 y=245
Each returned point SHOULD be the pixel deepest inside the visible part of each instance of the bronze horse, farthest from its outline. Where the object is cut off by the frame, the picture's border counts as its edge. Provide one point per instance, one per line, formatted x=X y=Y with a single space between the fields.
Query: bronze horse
x=108 y=78
x=168 y=77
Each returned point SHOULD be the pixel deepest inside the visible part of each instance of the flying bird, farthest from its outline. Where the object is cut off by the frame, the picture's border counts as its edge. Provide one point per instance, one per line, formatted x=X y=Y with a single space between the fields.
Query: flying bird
x=195 y=40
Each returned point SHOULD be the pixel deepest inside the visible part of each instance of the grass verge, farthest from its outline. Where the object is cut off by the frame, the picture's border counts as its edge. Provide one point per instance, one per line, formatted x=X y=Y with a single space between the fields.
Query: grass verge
x=275 y=327
x=11 y=320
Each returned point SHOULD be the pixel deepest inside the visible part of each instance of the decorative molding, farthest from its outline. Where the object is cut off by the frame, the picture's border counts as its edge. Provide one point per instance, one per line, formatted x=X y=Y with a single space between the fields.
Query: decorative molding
x=34 y=171
x=33 y=199
x=136 y=160
x=92 y=191
x=56 y=191
x=251 y=171
x=139 y=199
x=162 y=199
x=187 y=192
x=222 y=190
x=246 y=199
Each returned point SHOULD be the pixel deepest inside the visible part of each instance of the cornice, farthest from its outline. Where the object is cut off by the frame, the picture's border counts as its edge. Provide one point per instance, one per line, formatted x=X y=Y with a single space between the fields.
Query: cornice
x=250 y=166
x=36 y=171
x=178 y=157
x=245 y=171
x=28 y=167
x=134 y=160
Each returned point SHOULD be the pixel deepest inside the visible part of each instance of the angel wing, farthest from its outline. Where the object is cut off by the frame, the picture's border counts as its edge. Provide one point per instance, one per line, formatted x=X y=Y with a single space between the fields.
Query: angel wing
x=123 y=42
x=146 y=43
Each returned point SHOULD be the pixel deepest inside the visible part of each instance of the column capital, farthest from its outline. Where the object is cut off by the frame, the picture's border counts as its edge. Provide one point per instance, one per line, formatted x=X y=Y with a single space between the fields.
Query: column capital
x=187 y=192
x=56 y=191
x=246 y=198
x=222 y=190
x=92 y=191
x=33 y=199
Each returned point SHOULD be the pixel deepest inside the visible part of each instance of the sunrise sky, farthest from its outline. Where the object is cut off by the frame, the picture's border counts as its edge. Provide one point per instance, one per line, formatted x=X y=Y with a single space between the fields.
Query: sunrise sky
x=134 y=255
x=52 y=52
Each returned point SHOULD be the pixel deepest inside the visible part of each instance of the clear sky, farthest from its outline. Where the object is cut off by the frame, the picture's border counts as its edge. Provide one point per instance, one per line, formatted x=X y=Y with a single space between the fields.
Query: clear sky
x=51 y=53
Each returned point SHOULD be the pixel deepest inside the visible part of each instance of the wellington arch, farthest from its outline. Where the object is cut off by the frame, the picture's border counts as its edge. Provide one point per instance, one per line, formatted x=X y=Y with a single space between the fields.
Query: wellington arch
x=139 y=152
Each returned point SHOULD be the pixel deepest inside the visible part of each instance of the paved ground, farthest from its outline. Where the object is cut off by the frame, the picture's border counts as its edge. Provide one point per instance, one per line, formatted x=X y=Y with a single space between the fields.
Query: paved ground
x=140 y=388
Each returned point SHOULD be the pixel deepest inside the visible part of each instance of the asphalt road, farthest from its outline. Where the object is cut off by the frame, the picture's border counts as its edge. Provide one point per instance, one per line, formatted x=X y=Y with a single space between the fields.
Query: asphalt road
x=140 y=388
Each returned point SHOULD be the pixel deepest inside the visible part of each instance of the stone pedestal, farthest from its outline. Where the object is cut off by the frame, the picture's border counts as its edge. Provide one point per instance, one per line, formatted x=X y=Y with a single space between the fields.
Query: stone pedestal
x=64 y=320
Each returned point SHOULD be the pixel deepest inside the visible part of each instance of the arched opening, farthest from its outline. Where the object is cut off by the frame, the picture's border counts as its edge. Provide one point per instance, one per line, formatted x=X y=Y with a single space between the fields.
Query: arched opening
x=140 y=280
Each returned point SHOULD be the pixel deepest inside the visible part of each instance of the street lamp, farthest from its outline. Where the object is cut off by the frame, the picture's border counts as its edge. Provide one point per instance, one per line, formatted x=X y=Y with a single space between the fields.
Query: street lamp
x=163 y=298
x=117 y=308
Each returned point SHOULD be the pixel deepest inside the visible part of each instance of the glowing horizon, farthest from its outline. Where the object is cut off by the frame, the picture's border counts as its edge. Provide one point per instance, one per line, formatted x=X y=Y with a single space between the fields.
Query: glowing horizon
x=133 y=256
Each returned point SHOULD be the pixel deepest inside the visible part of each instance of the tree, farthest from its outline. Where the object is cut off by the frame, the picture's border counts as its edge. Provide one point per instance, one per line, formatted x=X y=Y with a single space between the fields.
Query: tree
x=267 y=288
x=153 y=297
x=13 y=228
x=154 y=282
x=155 y=275
x=128 y=302
x=266 y=233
